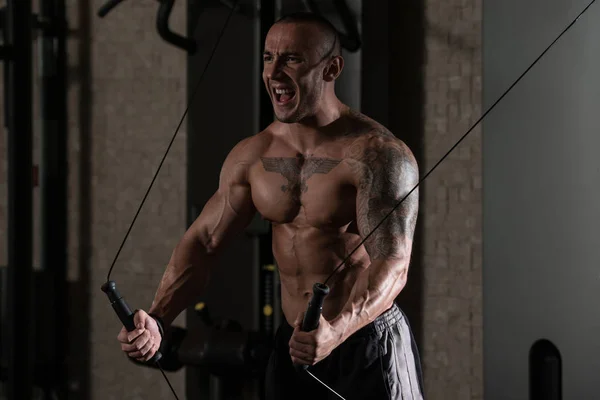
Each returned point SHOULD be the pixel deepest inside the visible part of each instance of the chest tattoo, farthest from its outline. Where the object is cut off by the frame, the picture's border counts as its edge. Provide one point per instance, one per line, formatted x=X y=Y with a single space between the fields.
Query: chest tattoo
x=298 y=170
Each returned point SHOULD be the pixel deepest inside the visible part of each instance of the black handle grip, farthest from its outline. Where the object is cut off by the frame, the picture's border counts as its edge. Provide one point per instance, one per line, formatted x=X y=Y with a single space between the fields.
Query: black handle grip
x=313 y=312
x=123 y=311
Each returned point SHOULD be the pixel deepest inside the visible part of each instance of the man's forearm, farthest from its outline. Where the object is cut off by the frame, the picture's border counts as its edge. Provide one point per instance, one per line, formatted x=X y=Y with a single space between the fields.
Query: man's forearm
x=185 y=277
x=373 y=293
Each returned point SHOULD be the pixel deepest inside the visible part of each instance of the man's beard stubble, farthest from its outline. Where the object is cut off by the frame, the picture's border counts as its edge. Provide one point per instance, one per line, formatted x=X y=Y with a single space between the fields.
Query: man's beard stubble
x=294 y=117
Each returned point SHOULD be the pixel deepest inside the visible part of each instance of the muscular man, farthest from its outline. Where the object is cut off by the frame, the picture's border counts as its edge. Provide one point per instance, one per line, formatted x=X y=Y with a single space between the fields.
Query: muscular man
x=325 y=176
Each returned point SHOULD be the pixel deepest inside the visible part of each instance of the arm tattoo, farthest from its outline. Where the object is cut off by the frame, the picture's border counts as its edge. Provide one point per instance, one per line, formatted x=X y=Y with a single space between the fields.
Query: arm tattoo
x=297 y=171
x=386 y=172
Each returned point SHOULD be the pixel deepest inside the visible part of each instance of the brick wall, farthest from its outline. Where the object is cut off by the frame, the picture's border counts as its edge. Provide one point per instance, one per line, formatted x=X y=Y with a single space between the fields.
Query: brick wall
x=452 y=324
x=138 y=88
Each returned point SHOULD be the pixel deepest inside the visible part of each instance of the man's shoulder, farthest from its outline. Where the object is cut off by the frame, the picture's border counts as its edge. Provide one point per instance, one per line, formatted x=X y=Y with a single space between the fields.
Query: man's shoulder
x=252 y=147
x=365 y=125
x=243 y=156
x=373 y=139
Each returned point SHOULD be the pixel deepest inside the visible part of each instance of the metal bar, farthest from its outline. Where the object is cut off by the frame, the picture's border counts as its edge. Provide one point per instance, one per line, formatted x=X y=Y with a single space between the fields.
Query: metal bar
x=53 y=187
x=267 y=18
x=375 y=62
x=3 y=327
x=20 y=268
x=404 y=112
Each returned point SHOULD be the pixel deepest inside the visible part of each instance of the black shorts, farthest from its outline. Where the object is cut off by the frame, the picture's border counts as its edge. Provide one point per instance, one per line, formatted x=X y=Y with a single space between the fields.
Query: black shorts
x=380 y=361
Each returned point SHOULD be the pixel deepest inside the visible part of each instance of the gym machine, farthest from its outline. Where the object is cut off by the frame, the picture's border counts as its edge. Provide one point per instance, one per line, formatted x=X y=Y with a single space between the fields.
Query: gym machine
x=32 y=363
x=29 y=359
x=39 y=293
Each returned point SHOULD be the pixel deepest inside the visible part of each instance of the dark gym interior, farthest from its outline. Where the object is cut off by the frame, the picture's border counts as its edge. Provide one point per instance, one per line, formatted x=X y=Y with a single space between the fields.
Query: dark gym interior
x=109 y=105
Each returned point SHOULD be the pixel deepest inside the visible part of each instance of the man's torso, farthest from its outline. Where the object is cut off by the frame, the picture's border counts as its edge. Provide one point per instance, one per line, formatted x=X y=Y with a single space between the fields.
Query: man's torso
x=309 y=196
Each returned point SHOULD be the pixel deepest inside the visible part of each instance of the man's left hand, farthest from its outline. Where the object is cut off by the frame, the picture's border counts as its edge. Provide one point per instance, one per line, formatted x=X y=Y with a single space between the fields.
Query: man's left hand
x=309 y=348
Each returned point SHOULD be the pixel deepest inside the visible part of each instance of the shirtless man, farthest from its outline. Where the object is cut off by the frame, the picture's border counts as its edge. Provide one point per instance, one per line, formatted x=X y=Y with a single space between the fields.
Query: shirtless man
x=324 y=176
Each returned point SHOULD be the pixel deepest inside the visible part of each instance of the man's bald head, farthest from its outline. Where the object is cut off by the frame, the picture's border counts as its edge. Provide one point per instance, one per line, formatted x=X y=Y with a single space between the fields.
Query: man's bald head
x=301 y=61
x=329 y=36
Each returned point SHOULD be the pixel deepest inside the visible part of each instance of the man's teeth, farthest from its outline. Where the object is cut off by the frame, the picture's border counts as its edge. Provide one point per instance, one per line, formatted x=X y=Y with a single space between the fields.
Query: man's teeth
x=283 y=91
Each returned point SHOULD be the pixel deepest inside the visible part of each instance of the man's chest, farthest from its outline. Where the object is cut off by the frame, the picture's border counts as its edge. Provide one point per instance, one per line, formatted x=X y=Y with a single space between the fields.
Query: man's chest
x=317 y=189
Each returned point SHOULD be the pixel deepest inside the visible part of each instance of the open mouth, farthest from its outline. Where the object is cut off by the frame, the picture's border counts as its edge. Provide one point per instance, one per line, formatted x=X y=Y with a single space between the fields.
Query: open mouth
x=283 y=96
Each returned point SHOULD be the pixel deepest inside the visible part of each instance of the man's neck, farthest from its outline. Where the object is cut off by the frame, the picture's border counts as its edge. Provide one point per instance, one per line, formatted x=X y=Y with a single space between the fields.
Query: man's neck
x=311 y=131
x=328 y=112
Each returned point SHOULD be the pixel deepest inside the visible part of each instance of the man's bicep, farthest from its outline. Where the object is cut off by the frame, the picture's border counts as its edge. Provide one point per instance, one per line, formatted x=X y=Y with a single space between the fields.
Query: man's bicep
x=225 y=214
x=386 y=212
x=230 y=209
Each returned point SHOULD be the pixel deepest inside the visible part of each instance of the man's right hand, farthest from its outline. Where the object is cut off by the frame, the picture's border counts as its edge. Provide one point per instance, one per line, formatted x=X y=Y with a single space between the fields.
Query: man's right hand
x=144 y=341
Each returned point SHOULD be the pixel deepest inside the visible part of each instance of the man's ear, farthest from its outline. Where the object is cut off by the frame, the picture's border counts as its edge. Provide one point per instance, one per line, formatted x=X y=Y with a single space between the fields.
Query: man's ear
x=334 y=69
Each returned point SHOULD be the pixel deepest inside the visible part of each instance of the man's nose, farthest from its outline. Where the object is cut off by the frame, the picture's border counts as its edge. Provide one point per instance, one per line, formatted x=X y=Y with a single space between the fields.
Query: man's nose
x=273 y=69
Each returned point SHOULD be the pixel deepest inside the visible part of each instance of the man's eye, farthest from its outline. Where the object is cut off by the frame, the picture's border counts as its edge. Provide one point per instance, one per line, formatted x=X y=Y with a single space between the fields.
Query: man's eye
x=267 y=58
x=292 y=59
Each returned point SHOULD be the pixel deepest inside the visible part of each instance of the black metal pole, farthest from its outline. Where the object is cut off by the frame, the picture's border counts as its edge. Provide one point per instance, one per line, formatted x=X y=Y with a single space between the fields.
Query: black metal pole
x=53 y=187
x=405 y=113
x=267 y=18
x=20 y=268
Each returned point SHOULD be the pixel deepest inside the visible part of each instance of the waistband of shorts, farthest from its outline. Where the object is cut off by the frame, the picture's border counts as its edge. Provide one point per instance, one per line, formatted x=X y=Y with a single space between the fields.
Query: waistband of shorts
x=389 y=318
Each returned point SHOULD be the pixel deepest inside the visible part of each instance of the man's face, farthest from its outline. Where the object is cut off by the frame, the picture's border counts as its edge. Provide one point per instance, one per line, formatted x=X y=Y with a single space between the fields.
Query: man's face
x=293 y=66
